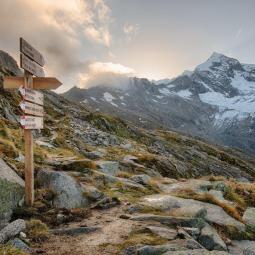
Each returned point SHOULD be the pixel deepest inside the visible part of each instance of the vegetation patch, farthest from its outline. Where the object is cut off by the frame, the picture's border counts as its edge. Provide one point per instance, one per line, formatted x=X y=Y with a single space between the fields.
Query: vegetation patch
x=209 y=198
x=11 y=250
x=37 y=231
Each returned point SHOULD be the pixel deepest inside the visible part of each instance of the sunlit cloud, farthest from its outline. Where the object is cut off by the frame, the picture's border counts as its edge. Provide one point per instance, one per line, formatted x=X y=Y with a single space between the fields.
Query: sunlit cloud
x=130 y=30
x=105 y=74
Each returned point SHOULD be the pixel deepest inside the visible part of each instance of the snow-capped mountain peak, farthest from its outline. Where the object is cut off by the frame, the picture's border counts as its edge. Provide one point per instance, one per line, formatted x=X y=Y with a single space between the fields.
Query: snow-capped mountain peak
x=216 y=100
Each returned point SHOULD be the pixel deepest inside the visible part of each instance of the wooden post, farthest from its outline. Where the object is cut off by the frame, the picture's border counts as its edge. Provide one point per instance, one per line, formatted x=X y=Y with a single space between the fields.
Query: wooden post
x=29 y=156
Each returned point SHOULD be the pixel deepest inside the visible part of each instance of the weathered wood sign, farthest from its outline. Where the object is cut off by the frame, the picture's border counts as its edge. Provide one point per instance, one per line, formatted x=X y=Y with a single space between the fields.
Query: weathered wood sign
x=31 y=122
x=31 y=66
x=31 y=95
x=32 y=109
x=11 y=82
x=31 y=60
x=31 y=52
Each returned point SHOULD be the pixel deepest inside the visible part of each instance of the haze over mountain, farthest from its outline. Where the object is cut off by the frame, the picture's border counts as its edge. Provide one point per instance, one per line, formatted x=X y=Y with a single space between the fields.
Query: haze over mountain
x=216 y=101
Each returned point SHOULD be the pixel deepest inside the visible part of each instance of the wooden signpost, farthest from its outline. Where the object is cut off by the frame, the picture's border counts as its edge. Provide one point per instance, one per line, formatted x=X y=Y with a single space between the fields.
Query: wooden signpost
x=32 y=61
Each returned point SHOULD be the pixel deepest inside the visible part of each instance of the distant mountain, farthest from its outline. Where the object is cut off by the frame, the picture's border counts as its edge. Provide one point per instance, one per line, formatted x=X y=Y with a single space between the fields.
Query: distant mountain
x=216 y=101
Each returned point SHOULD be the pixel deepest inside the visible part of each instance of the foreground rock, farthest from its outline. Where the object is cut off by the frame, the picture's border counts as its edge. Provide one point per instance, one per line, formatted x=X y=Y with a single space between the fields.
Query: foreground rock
x=68 y=193
x=11 y=192
x=108 y=167
x=11 y=230
x=249 y=218
x=196 y=252
x=190 y=208
x=211 y=240
x=176 y=245
x=242 y=247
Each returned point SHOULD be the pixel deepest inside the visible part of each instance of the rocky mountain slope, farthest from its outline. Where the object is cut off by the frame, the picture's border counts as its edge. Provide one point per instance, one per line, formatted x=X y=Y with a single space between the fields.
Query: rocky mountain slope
x=216 y=101
x=105 y=186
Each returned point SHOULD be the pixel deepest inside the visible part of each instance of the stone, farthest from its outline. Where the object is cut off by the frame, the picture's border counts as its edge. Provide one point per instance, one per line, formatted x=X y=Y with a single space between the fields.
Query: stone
x=190 y=208
x=92 y=193
x=210 y=239
x=143 y=179
x=175 y=245
x=244 y=247
x=75 y=165
x=74 y=231
x=194 y=232
x=196 y=252
x=166 y=233
x=11 y=192
x=68 y=193
x=249 y=218
x=11 y=230
x=108 y=167
x=127 y=146
x=131 y=161
x=19 y=244
x=93 y=154
x=171 y=220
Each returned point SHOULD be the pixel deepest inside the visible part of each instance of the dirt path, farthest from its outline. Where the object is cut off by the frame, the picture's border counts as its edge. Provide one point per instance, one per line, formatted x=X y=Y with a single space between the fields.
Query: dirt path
x=113 y=230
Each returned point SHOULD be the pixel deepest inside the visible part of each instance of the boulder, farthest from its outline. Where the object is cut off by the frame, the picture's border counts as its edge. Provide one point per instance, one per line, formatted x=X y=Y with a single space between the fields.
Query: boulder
x=11 y=192
x=93 y=154
x=143 y=179
x=211 y=240
x=244 y=247
x=190 y=208
x=175 y=245
x=68 y=193
x=19 y=244
x=75 y=165
x=166 y=233
x=171 y=220
x=196 y=252
x=11 y=230
x=74 y=231
x=108 y=167
x=249 y=218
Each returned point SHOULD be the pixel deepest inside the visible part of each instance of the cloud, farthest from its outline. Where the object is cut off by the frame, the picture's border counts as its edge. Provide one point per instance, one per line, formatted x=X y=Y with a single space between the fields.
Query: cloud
x=105 y=74
x=59 y=28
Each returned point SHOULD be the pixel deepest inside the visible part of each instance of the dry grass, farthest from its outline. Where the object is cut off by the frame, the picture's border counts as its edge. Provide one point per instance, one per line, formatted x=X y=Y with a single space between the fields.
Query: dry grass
x=123 y=174
x=37 y=231
x=209 y=198
x=10 y=250
x=214 y=178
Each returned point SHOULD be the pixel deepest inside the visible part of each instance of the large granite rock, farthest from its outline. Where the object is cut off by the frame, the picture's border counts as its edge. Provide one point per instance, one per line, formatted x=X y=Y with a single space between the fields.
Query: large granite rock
x=190 y=208
x=11 y=192
x=175 y=245
x=244 y=247
x=108 y=167
x=211 y=240
x=249 y=218
x=196 y=252
x=68 y=193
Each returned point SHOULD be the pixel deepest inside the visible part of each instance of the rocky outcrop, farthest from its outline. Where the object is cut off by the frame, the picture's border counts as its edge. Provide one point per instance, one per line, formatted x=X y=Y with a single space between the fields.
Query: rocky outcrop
x=190 y=208
x=108 y=167
x=68 y=193
x=210 y=239
x=11 y=230
x=249 y=218
x=11 y=192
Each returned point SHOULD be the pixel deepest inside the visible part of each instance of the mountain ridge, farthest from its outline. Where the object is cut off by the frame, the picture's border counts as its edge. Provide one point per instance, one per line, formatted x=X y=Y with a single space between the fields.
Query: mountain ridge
x=215 y=101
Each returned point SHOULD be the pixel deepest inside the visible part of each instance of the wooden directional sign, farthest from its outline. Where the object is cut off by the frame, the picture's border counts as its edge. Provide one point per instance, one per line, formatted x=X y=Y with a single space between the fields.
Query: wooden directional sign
x=12 y=82
x=31 y=66
x=32 y=109
x=31 y=122
x=31 y=52
x=31 y=95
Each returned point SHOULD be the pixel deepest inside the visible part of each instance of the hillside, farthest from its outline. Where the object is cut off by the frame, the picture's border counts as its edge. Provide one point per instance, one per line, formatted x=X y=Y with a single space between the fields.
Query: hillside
x=107 y=186
x=215 y=102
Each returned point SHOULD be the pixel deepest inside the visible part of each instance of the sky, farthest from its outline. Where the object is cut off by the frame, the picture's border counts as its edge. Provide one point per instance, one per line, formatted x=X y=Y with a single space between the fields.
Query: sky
x=86 y=42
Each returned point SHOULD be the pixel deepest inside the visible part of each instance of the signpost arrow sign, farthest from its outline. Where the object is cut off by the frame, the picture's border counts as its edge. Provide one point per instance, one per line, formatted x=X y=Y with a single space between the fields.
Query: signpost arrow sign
x=31 y=95
x=30 y=108
x=11 y=82
x=31 y=122
x=31 y=66
x=31 y=52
